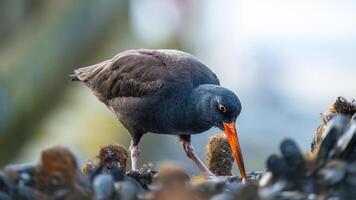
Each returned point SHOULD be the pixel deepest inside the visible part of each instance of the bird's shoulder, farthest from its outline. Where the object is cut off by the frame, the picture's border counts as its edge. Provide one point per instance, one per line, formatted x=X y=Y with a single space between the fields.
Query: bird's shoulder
x=142 y=72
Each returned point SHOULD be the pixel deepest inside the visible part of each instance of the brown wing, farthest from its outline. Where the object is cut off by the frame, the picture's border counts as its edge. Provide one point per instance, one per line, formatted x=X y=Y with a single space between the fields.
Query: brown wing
x=136 y=73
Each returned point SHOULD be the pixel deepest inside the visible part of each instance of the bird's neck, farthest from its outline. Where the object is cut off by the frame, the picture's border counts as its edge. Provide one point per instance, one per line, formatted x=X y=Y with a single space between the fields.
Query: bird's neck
x=202 y=98
x=190 y=112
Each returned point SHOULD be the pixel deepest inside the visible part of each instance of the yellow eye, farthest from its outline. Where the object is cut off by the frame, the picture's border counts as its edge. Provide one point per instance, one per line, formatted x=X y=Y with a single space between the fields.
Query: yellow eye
x=222 y=108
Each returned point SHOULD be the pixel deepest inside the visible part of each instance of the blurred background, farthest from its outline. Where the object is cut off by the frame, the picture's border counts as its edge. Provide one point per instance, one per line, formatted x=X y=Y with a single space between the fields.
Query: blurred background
x=287 y=61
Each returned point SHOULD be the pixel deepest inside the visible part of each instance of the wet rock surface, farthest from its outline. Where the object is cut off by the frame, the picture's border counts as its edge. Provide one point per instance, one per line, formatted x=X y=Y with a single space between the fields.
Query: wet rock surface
x=327 y=172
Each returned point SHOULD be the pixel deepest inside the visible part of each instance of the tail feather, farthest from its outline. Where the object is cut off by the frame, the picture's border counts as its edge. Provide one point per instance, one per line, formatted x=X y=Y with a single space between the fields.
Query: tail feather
x=84 y=73
x=73 y=77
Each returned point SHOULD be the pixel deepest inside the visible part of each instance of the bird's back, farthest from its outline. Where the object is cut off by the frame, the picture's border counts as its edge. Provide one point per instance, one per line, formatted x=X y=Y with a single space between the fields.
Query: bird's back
x=143 y=72
x=147 y=89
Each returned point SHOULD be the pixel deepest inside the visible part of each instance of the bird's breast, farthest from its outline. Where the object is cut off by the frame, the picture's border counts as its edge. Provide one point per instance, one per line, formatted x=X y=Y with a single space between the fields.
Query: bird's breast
x=171 y=112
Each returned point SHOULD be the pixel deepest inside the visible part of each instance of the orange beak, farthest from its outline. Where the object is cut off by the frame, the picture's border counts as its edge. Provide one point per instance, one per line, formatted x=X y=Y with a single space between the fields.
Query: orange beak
x=231 y=134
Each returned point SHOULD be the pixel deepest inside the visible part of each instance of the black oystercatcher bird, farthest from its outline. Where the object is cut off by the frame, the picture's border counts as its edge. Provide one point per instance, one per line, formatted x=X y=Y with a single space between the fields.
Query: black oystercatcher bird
x=165 y=92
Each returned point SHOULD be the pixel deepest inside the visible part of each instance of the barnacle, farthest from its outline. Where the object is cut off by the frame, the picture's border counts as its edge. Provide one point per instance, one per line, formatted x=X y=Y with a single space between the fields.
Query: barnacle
x=219 y=156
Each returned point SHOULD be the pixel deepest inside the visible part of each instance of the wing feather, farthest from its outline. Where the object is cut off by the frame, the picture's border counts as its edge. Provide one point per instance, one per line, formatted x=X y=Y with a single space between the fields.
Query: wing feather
x=137 y=73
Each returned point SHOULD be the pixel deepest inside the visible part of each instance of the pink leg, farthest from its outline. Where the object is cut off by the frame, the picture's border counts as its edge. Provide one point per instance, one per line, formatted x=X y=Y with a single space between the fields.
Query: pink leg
x=135 y=154
x=189 y=151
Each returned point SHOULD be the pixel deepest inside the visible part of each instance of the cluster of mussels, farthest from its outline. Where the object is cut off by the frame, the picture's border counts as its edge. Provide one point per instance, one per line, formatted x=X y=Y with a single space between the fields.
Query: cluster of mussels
x=57 y=176
x=327 y=172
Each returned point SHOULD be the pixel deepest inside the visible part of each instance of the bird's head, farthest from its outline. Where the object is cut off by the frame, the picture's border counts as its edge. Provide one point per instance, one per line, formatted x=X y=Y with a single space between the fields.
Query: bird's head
x=225 y=107
x=221 y=107
x=217 y=105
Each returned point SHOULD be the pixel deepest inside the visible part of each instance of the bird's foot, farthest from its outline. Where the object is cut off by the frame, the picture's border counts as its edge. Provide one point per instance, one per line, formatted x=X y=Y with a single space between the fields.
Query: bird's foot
x=189 y=151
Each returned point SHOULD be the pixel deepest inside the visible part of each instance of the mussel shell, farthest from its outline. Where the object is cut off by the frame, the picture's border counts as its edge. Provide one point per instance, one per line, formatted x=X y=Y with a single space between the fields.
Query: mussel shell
x=4 y=196
x=6 y=184
x=61 y=194
x=291 y=195
x=127 y=190
x=82 y=180
x=327 y=116
x=351 y=173
x=309 y=185
x=254 y=176
x=342 y=105
x=266 y=179
x=223 y=196
x=249 y=191
x=29 y=168
x=21 y=172
x=211 y=187
x=277 y=166
x=94 y=172
x=333 y=172
x=25 y=192
x=292 y=155
x=117 y=173
x=90 y=169
x=234 y=187
x=346 y=144
x=333 y=132
x=272 y=191
x=353 y=118
x=138 y=188
x=103 y=186
x=353 y=105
